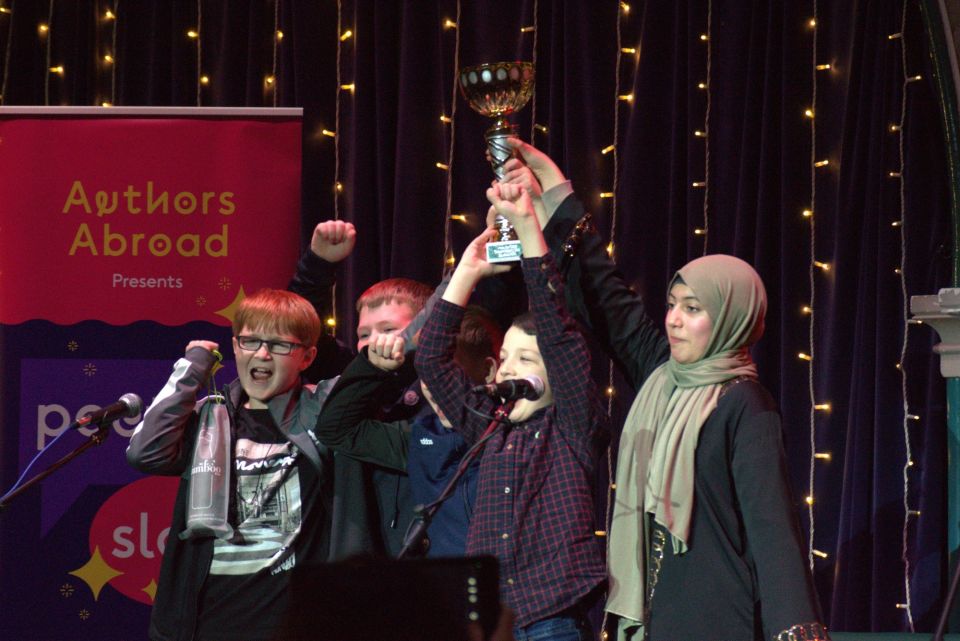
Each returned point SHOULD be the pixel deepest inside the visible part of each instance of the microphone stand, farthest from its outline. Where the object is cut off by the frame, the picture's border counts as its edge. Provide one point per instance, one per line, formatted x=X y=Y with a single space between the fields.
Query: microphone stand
x=416 y=538
x=97 y=438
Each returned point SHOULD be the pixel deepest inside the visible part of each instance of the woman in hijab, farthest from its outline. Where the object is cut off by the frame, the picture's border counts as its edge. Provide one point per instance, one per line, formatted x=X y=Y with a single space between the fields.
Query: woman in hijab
x=704 y=541
x=701 y=477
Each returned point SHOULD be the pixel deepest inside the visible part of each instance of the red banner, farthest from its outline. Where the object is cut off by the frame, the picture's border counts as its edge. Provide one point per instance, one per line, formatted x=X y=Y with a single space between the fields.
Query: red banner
x=123 y=219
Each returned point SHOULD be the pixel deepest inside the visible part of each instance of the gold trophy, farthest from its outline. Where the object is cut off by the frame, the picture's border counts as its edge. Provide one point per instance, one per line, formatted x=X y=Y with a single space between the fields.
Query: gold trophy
x=496 y=90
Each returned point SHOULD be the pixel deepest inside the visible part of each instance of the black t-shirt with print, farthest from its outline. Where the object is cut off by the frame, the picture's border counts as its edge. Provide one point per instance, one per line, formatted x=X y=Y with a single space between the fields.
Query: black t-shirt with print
x=278 y=525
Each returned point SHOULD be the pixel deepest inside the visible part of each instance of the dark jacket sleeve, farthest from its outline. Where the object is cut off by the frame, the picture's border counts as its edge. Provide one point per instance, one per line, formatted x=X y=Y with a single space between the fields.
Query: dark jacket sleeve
x=160 y=444
x=314 y=280
x=770 y=521
x=598 y=297
x=447 y=381
x=345 y=424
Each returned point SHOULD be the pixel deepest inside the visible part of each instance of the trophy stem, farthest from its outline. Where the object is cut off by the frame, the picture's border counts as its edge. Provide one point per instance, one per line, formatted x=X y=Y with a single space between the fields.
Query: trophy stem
x=500 y=152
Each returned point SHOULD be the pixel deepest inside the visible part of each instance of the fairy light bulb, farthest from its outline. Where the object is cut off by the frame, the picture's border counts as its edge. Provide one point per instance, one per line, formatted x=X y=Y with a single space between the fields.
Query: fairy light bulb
x=193 y=34
x=346 y=35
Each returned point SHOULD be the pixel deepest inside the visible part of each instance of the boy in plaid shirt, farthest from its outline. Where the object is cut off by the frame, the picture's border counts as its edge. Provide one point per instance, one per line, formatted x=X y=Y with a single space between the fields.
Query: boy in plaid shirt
x=534 y=509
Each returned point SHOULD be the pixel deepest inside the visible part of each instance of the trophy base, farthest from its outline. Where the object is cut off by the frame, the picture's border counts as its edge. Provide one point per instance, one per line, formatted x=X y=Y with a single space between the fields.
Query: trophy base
x=504 y=251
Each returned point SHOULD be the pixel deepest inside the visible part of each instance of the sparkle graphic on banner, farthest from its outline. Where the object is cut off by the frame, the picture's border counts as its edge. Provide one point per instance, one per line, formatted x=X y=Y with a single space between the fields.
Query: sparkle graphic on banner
x=84 y=614
x=90 y=369
x=151 y=590
x=225 y=283
x=66 y=590
x=96 y=573
x=201 y=301
x=73 y=346
x=230 y=310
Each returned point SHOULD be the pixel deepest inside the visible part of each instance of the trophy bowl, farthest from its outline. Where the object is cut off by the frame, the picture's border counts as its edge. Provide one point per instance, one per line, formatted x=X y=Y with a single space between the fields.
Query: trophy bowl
x=498 y=88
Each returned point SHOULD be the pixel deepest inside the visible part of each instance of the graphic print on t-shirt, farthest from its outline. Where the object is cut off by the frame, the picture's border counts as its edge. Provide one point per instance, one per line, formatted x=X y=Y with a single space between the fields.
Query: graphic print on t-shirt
x=268 y=510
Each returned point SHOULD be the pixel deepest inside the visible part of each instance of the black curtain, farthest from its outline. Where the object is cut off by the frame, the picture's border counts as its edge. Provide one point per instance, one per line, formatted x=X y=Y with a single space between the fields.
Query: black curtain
x=756 y=161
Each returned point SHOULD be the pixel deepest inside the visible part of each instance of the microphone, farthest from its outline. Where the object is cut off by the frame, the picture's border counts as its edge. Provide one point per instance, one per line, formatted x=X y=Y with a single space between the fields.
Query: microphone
x=129 y=405
x=529 y=387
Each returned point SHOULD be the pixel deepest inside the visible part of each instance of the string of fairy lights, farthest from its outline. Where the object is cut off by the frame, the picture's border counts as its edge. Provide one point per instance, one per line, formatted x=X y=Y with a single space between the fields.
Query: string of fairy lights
x=704 y=134
x=343 y=37
x=271 y=84
x=816 y=269
x=808 y=309
x=449 y=260
x=109 y=57
x=47 y=37
x=900 y=224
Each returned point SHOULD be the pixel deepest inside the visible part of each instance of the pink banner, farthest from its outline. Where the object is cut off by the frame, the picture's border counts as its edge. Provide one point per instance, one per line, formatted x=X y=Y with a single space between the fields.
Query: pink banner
x=129 y=218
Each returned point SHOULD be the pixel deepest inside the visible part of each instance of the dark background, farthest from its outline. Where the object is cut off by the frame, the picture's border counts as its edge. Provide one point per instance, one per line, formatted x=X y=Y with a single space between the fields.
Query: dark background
x=757 y=162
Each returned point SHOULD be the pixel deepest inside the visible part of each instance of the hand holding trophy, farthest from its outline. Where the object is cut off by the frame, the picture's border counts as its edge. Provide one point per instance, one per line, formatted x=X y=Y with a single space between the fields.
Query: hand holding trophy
x=496 y=90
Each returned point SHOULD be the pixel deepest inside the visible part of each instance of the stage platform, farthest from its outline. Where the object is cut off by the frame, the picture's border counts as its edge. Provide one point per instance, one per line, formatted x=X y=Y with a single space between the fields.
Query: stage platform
x=888 y=636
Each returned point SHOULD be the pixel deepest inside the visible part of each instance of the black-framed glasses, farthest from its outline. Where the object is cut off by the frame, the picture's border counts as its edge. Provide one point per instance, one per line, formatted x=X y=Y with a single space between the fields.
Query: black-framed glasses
x=280 y=348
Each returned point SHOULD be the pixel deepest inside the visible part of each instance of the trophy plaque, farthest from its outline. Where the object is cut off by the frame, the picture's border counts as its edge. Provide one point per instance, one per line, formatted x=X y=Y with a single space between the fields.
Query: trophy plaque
x=496 y=90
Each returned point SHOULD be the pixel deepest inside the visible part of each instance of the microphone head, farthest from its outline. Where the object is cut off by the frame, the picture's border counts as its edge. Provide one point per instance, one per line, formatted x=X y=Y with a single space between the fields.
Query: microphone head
x=537 y=387
x=133 y=403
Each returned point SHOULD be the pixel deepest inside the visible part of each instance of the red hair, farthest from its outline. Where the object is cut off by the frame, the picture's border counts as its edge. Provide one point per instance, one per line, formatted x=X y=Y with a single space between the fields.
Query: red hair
x=279 y=312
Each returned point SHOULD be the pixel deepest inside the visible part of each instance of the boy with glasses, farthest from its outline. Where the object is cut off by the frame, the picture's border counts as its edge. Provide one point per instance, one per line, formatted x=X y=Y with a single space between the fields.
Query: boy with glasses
x=229 y=556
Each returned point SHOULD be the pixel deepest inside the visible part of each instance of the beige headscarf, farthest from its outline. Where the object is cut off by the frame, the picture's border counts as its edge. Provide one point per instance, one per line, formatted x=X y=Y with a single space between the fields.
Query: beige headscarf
x=655 y=466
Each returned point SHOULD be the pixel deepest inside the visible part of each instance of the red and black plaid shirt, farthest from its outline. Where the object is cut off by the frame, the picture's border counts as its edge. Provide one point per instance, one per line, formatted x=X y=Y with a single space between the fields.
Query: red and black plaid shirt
x=534 y=507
